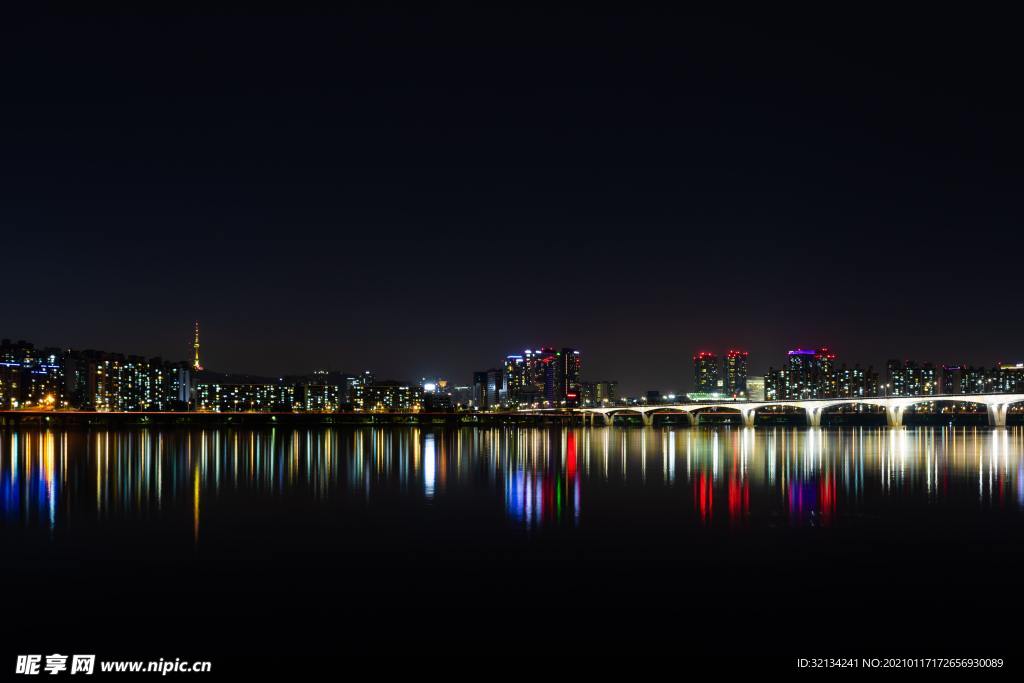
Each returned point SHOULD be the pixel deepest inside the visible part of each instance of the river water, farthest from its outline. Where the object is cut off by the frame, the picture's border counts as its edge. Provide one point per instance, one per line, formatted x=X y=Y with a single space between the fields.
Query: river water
x=355 y=541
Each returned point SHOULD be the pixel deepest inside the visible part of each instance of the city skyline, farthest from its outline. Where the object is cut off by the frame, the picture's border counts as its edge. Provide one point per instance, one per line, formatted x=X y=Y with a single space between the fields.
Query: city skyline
x=238 y=347
x=546 y=375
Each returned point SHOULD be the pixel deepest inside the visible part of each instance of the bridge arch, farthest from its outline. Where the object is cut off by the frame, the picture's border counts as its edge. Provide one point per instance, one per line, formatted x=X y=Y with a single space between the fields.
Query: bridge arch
x=1015 y=406
x=728 y=408
x=654 y=412
x=609 y=415
x=788 y=408
x=993 y=409
x=831 y=411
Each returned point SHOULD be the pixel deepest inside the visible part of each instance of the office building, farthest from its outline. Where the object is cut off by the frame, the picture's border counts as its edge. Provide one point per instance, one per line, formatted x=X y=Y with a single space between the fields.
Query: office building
x=516 y=378
x=479 y=399
x=569 y=387
x=542 y=377
x=601 y=393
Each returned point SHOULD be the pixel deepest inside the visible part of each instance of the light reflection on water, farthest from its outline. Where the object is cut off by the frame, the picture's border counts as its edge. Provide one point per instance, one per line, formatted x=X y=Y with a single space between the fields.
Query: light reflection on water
x=721 y=478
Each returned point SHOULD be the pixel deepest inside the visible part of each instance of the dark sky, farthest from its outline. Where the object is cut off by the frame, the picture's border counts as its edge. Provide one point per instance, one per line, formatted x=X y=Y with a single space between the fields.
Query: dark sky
x=423 y=192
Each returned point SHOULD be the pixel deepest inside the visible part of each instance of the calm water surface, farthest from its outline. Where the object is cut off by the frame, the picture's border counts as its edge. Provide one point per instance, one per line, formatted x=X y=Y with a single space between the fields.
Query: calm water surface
x=246 y=539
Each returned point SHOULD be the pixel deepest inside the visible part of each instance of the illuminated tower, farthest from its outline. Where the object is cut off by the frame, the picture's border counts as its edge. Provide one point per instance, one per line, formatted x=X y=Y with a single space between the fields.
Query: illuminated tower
x=196 y=365
x=735 y=367
x=570 y=377
x=705 y=372
x=515 y=379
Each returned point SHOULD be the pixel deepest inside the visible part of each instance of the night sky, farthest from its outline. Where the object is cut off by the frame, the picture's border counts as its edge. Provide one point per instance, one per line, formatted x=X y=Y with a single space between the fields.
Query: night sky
x=422 y=193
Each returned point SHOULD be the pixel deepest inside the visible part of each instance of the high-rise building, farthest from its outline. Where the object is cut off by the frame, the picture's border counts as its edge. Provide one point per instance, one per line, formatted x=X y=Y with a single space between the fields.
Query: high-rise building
x=221 y=397
x=326 y=390
x=495 y=387
x=855 y=382
x=735 y=374
x=895 y=378
x=602 y=393
x=31 y=377
x=976 y=380
x=951 y=379
x=569 y=390
x=826 y=369
x=926 y=380
x=356 y=388
x=96 y=380
x=962 y=379
x=1011 y=378
x=480 y=390
x=537 y=383
x=773 y=384
x=910 y=379
x=548 y=374
x=801 y=374
x=808 y=373
x=318 y=398
x=542 y=376
x=705 y=372
x=488 y=388
x=516 y=379
x=396 y=397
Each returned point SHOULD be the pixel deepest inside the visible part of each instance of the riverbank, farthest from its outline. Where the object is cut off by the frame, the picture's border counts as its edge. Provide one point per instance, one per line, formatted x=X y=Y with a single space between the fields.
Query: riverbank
x=81 y=418
x=86 y=419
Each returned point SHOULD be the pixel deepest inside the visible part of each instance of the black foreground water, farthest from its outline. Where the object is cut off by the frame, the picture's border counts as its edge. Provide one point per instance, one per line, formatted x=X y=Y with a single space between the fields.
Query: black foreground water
x=794 y=542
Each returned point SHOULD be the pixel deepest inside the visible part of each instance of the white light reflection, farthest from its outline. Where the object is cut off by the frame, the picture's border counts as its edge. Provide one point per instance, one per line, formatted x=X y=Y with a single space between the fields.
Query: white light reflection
x=429 y=465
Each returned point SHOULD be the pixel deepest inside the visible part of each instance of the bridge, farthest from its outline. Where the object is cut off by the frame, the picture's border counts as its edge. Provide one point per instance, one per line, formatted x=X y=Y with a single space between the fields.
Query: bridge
x=997 y=405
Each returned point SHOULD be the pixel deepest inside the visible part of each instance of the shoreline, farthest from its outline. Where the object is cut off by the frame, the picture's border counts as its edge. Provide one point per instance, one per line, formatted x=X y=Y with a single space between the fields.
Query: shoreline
x=87 y=419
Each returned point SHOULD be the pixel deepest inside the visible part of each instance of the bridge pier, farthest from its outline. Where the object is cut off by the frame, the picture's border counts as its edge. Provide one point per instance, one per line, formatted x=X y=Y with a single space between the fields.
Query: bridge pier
x=997 y=414
x=749 y=416
x=691 y=418
x=894 y=415
x=813 y=416
x=647 y=418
